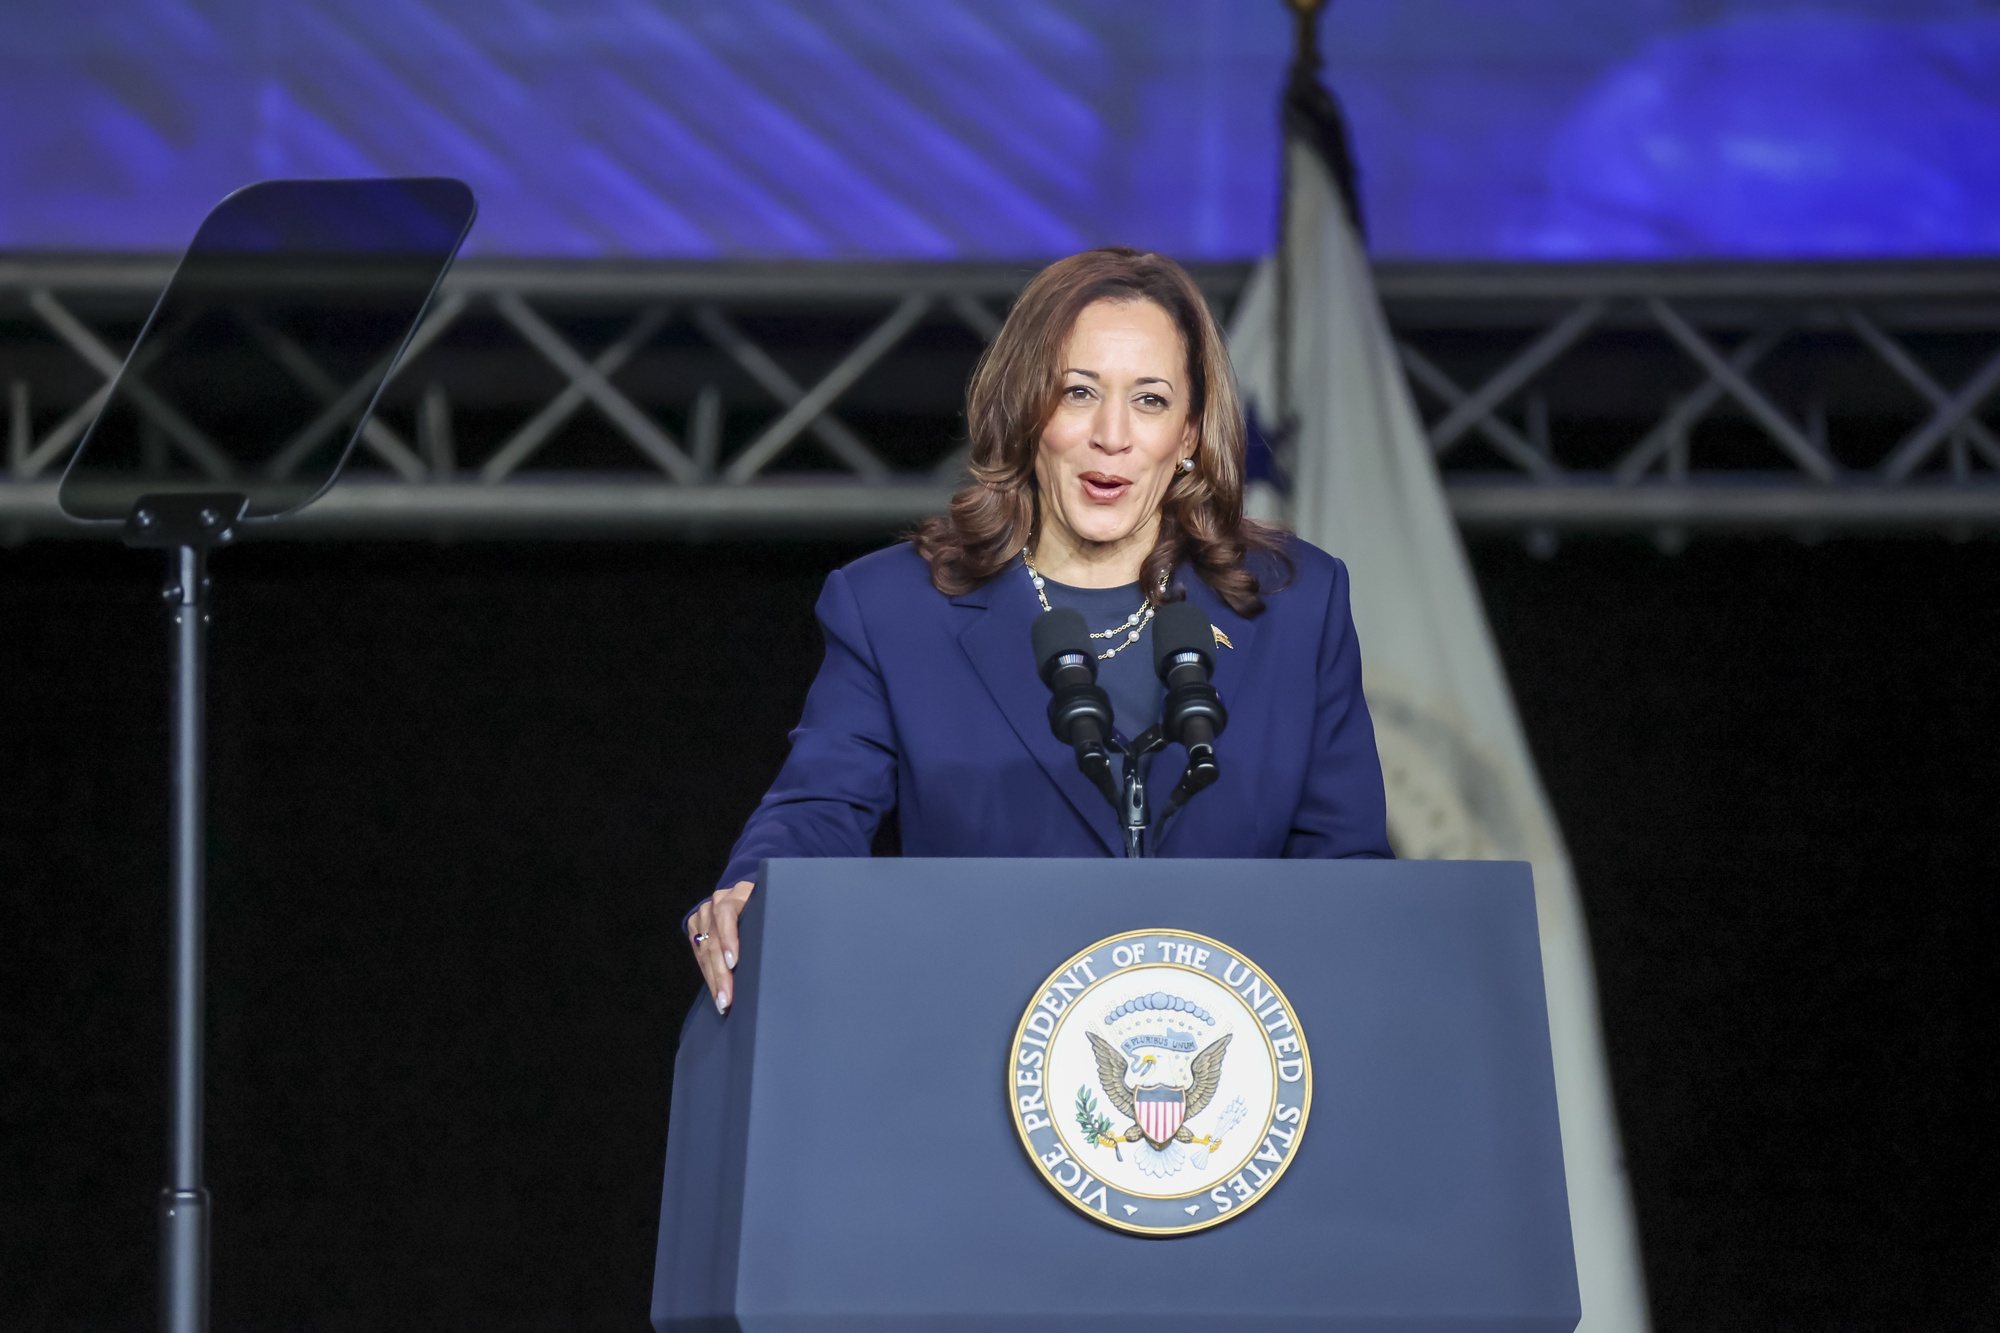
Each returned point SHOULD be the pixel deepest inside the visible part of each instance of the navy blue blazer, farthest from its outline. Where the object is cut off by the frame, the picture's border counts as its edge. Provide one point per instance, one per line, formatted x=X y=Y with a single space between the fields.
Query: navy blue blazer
x=931 y=705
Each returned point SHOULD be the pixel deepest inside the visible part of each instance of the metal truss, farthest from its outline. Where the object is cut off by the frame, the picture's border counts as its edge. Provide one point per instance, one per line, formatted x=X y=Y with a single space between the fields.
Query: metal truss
x=682 y=401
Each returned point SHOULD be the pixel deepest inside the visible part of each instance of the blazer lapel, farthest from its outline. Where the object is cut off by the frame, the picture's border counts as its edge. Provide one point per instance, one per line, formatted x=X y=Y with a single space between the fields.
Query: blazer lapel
x=1231 y=659
x=998 y=644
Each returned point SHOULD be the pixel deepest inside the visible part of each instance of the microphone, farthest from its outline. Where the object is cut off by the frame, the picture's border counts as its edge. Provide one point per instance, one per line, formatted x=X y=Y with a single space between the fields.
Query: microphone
x=1192 y=714
x=1079 y=709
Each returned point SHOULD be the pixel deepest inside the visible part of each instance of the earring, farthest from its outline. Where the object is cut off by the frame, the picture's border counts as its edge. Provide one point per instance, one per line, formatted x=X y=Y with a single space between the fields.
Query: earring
x=1185 y=466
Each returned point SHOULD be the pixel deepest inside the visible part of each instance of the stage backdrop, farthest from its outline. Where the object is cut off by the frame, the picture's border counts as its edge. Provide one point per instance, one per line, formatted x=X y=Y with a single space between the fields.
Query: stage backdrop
x=966 y=129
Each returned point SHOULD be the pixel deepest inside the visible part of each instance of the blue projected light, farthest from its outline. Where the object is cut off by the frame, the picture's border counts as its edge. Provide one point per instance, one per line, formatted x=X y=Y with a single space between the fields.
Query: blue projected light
x=974 y=129
x=1789 y=134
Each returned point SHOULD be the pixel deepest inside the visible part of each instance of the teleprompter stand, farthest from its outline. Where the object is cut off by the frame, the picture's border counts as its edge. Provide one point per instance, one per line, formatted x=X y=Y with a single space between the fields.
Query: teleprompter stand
x=336 y=274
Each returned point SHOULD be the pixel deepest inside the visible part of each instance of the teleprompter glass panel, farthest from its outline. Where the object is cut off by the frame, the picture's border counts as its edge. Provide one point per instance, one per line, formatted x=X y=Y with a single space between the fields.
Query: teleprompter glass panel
x=263 y=358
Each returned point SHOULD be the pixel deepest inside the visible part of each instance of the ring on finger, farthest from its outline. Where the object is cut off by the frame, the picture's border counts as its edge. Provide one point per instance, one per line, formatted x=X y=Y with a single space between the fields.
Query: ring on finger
x=701 y=937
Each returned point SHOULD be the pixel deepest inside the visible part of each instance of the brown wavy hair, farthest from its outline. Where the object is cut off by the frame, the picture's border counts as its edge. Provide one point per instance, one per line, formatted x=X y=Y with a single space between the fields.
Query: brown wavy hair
x=1015 y=390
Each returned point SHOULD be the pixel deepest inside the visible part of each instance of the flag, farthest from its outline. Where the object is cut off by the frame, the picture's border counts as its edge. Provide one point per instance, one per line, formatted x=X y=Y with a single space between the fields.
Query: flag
x=1461 y=784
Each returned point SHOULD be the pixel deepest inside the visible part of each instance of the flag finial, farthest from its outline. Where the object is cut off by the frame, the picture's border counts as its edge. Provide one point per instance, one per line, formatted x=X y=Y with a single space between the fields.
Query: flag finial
x=1305 y=34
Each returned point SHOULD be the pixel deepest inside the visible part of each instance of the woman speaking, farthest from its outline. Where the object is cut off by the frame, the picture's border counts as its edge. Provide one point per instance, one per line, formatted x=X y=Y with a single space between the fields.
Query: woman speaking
x=1107 y=477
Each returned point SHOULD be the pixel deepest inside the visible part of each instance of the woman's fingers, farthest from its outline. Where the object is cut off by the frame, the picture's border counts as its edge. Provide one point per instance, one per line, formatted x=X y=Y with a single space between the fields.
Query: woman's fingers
x=712 y=933
x=728 y=907
x=708 y=955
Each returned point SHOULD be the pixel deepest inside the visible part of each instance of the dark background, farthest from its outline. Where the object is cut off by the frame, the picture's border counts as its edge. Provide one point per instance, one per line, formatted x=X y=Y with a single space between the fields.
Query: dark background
x=461 y=796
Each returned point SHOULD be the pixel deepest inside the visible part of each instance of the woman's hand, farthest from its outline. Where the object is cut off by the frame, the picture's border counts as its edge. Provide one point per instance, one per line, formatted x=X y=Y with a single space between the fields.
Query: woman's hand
x=712 y=932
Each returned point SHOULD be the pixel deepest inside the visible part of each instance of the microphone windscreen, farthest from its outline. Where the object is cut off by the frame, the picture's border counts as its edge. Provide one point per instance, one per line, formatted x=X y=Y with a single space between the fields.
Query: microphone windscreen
x=1180 y=627
x=1061 y=633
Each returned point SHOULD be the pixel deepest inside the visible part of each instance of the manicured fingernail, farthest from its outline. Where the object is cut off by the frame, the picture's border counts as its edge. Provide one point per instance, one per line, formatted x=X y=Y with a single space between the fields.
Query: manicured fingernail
x=721 y=1005
x=729 y=960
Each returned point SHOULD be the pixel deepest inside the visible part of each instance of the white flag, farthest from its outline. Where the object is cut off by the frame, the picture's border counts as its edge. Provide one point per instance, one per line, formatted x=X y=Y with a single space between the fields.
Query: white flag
x=1460 y=781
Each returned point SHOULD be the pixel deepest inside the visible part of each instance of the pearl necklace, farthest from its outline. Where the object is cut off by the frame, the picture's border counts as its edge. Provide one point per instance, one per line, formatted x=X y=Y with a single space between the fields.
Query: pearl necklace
x=1134 y=625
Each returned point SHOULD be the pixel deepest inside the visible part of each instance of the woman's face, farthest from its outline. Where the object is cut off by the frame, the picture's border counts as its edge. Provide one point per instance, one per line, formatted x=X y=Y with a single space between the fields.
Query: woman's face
x=1120 y=426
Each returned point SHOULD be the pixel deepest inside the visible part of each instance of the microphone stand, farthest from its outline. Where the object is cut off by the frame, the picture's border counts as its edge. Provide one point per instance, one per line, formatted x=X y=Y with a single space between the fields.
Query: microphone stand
x=1080 y=715
x=1135 y=809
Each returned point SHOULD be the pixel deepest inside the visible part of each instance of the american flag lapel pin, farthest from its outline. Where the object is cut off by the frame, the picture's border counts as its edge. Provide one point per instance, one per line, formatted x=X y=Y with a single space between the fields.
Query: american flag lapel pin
x=1221 y=639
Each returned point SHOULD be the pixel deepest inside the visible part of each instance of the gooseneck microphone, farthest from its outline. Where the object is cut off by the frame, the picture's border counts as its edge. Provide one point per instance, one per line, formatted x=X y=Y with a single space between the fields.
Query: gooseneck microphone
x=1079 y=709
x=1192 y=713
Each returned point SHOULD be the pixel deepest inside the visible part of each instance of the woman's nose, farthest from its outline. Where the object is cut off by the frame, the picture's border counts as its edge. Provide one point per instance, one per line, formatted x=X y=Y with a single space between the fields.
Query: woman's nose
x=1112 y=434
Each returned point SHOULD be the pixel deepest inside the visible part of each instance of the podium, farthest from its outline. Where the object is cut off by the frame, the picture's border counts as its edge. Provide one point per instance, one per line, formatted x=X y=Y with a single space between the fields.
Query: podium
x=846 y=1150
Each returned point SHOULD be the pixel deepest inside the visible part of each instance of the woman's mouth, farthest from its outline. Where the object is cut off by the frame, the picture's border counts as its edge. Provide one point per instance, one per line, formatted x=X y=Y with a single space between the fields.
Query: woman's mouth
x=1103 y=487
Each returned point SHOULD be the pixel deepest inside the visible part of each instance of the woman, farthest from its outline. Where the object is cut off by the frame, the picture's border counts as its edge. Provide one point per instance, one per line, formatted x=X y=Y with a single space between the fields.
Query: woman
x=1107 y=475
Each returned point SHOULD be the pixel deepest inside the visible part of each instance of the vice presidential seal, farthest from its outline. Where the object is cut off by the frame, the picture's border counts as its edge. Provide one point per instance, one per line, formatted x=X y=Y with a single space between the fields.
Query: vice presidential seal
x=1160 y=1082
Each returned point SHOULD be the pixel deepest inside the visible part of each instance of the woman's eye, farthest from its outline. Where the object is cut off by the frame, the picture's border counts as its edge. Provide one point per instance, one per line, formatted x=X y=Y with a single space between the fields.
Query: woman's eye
x=1076 y=393
x=1152 y=402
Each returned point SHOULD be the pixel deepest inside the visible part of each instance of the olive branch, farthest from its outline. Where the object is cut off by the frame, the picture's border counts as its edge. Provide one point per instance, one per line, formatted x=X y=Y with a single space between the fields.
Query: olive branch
x=1095 y=1125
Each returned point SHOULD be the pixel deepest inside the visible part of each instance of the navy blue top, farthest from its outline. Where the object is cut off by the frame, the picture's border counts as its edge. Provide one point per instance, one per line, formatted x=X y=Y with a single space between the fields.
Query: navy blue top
x=1128 y=678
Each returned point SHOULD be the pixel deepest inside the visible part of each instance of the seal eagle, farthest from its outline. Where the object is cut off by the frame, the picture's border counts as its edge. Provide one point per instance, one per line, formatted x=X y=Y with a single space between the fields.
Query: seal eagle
x=1205 y=1075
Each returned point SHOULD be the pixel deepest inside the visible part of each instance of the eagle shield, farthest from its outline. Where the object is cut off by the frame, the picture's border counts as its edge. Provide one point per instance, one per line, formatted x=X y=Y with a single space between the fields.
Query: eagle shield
x=1160 y=1112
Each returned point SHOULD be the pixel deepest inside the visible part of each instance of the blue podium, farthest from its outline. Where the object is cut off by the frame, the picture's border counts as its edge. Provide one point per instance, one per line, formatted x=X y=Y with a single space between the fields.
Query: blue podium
x=848 y=1149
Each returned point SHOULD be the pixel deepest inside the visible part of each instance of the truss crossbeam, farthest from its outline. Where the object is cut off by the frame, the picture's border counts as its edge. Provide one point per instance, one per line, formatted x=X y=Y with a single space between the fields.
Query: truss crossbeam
x=561 y=399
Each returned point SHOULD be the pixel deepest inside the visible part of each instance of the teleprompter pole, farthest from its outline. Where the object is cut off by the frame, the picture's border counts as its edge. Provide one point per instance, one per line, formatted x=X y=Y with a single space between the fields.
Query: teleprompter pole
x=184 y=1202
x=186 y=527
x=184 y=1233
